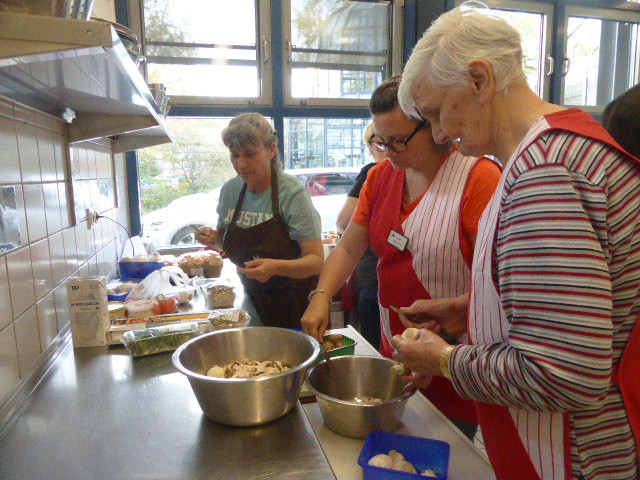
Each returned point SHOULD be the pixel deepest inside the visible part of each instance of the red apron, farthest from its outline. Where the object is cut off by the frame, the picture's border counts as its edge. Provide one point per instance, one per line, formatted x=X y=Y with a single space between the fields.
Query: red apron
x=398 y=282
x=509 y=456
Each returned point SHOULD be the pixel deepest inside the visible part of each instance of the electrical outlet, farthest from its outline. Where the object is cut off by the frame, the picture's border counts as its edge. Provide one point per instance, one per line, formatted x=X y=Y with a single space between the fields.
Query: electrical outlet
x=92 y=218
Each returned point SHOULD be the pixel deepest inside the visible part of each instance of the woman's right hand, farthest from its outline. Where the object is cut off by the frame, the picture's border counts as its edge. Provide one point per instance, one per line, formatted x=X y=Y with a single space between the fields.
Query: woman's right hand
x=449 y=314
x=315 y=320
x=206 y=235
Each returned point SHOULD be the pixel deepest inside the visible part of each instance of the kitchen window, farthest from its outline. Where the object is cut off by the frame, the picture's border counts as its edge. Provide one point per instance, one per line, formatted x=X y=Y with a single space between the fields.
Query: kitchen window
x=338 y=51
x=324 y=142
x=533 y=21
x=180 y=181
x=601 y=57
x=209 y=51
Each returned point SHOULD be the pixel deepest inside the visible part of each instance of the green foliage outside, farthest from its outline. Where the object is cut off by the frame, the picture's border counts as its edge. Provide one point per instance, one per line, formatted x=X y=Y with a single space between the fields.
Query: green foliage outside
x=196 y=162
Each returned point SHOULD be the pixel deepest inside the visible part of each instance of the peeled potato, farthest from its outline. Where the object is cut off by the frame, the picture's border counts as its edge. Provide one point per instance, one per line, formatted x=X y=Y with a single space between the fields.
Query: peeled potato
x=411 y=334
x=381 y=460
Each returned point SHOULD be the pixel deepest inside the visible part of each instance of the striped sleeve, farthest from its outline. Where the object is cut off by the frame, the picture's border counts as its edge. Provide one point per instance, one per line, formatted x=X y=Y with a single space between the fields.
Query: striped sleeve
x=555 y=248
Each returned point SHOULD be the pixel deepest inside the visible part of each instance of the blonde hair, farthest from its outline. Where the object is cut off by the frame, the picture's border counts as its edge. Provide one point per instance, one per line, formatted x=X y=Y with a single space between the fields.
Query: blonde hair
x=367 y=133
x=250 y=130
x=454 y=40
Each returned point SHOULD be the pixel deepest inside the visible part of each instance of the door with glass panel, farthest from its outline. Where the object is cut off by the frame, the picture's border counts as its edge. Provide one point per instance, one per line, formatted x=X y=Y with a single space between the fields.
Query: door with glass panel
x=209 y=51
x=336 y=52
x=533 y=20
x=601 y=56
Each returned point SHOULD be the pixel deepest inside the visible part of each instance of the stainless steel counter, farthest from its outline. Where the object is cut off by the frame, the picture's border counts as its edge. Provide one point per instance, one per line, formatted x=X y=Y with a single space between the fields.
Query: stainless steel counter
x=420 y=418
x=99 y=414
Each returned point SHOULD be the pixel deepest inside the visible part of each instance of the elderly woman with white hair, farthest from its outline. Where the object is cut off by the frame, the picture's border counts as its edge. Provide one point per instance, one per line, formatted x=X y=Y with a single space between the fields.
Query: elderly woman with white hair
x=553 y=354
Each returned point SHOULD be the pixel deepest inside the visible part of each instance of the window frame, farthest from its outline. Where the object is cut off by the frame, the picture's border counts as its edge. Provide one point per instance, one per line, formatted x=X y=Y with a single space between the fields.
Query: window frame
x=264 y=57
x=547 y=66
x=397 y=16
x=620 y=15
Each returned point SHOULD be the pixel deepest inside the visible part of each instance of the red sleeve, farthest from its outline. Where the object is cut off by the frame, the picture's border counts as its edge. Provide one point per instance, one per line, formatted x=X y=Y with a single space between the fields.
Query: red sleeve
x=483 y=180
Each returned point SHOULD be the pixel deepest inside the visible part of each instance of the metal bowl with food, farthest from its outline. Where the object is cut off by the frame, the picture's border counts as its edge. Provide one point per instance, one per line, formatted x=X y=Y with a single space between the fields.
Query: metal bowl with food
x=247 y=401
x=358 y=394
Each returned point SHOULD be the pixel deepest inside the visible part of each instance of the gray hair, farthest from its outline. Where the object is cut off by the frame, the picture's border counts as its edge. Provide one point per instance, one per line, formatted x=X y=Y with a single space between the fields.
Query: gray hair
x=250 y=130
x=455 y=39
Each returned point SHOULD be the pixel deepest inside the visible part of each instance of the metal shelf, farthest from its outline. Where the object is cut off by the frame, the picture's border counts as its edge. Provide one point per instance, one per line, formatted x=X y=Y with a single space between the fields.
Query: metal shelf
x=74 y=67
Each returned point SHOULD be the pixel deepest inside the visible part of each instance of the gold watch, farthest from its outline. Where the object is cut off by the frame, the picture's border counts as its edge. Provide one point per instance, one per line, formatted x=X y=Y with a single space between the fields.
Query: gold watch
x=444 y=360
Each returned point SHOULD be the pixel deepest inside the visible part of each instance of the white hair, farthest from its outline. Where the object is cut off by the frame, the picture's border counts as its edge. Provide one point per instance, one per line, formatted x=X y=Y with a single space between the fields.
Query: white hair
x=455 y=39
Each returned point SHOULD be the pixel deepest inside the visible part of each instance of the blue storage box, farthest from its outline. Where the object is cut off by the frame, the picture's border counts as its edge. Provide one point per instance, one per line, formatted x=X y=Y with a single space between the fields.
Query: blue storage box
x=117 y=297
x=422 y=453
x=138 y=270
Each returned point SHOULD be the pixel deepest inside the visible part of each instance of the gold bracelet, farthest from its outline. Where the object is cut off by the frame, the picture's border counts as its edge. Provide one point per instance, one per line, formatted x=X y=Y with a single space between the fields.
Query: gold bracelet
x=318 y=290
x=444 y=360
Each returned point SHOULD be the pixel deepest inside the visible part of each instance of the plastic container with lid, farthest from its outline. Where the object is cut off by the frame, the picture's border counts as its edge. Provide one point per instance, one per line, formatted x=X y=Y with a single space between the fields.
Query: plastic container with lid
x=139 y=308
x=116 y=310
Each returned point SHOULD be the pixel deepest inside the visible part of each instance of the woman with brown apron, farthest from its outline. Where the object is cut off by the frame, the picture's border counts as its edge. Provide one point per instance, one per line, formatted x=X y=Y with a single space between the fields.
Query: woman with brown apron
x=267 y=225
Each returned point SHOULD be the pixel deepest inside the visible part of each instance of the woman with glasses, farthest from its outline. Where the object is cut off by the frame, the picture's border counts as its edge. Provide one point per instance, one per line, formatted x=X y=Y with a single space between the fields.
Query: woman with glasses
x=364 y=279
x=418 y=210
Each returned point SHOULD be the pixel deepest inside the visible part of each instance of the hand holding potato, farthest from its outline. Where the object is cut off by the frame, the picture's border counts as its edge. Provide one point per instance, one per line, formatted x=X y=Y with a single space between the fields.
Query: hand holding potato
x=260 y=269
x=421 y=355
x=206 y=235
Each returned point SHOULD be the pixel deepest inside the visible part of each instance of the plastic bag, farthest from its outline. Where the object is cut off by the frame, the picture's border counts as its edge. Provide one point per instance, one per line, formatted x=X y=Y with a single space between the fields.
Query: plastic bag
x=159 y=282
x=220 y=293
x=228 y=318
x=165 y=338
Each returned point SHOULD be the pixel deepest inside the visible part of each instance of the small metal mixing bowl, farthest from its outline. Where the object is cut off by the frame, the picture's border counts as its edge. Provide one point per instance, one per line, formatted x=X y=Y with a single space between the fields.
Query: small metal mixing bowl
x=358 y=377
x=250 y=401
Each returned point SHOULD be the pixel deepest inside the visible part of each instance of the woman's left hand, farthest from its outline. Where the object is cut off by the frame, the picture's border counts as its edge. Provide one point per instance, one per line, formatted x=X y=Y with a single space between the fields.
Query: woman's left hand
x=422 y=355
x=416 y=381
x=261 y=269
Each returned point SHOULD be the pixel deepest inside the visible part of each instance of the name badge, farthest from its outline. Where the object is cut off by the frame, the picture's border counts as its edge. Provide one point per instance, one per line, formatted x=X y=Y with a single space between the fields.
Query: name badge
x=396 y=239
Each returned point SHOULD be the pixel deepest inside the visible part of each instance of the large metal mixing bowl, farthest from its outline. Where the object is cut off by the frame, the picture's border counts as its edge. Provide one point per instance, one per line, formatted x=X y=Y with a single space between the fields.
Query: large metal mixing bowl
x=360 y=377
x=253 y=401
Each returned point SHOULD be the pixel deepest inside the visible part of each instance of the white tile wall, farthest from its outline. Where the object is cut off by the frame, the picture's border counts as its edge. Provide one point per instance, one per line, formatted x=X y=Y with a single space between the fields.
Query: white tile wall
x=27 y=340
x=47 y=321
x=46 y=155
x=21 y=285
x=41 y=265
x=28 y=148
x=58 y=265
x=10 y=164
x=6 y=314
x=9 y=370
x=52 y=207
x=33 y=294
x=34 y=206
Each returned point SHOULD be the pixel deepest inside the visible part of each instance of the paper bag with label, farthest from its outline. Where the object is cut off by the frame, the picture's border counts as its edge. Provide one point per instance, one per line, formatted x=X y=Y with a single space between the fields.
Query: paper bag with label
x=88 y=309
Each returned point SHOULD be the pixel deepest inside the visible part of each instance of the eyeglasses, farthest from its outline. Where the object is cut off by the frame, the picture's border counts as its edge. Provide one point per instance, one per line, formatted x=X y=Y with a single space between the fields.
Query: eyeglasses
x=395 y=145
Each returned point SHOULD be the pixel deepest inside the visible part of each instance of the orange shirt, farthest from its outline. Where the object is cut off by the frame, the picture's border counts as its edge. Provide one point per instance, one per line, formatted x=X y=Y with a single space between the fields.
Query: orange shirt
x=481 y=184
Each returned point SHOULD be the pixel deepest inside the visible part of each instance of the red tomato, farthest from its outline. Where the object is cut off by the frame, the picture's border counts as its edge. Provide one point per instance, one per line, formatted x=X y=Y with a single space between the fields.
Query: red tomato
x=157 y=310
x=168 y=304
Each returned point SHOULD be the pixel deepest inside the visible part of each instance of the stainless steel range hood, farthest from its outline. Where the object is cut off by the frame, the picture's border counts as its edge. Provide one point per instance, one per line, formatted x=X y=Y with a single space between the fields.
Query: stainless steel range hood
x=79 y=68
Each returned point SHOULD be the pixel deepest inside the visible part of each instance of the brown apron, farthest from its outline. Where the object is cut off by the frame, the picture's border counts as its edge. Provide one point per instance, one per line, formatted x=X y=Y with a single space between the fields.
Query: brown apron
x=280 y=301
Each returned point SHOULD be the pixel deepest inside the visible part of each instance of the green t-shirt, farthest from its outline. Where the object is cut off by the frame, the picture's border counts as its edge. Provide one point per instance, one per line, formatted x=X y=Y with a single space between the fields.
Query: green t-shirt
x=296 y=208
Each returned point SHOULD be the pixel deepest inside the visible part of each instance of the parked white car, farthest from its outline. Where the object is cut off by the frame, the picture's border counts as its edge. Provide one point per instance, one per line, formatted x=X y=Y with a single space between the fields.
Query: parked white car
x=175 y=224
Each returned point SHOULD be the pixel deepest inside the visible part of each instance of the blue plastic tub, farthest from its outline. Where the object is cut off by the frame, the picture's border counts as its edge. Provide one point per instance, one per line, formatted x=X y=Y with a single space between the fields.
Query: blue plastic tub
x=422 y=453
x=117 y=297
x=138 y=270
